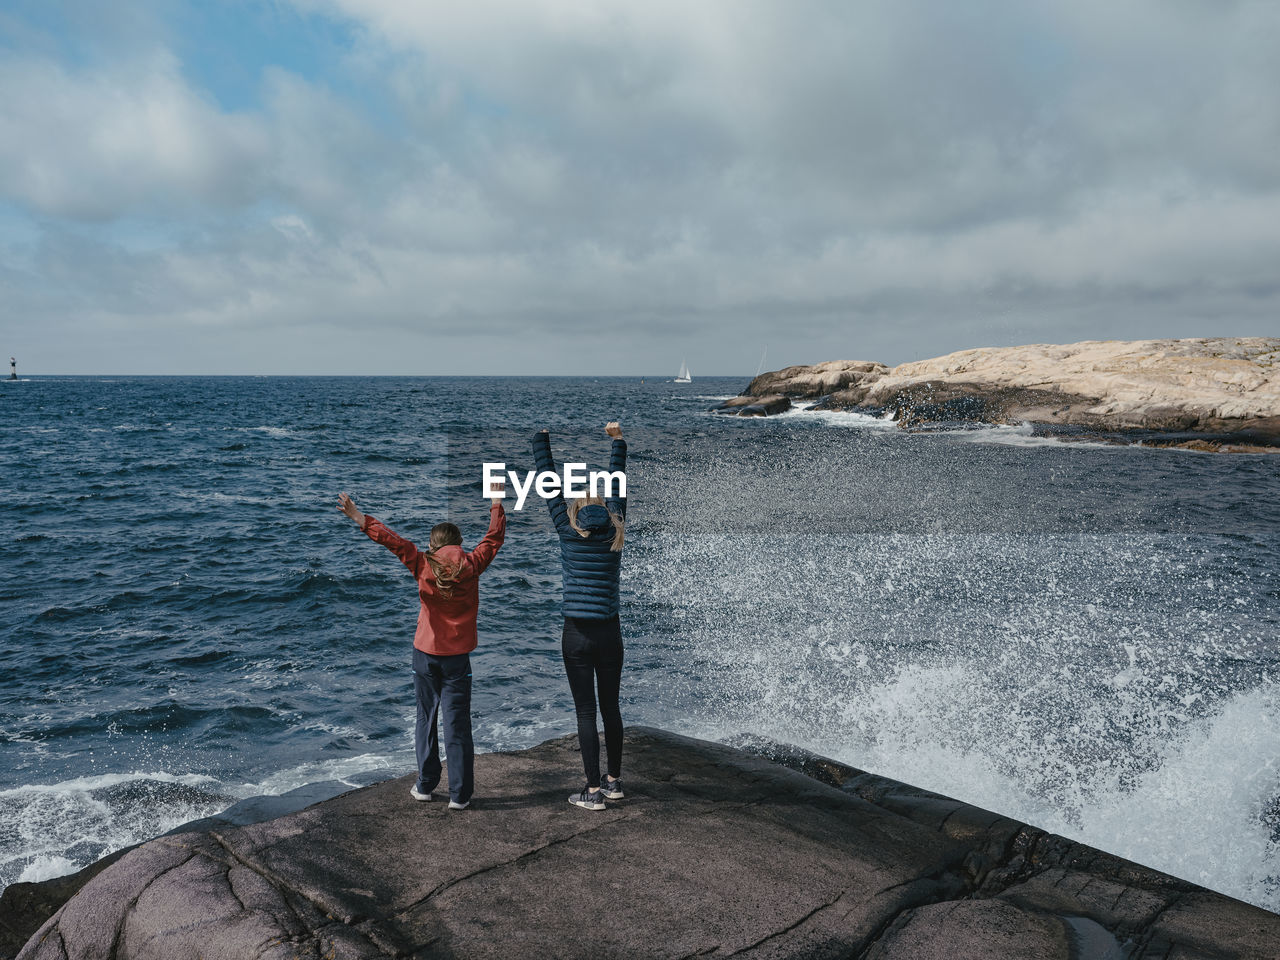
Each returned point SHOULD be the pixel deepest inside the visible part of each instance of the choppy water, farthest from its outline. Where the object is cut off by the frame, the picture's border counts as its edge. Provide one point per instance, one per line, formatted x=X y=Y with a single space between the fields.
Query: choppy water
x=1083 y=637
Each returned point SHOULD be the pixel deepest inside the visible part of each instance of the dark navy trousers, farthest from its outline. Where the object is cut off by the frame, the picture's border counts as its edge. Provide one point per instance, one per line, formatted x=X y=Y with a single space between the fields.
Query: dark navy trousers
x=592 y=651
x=443 y=685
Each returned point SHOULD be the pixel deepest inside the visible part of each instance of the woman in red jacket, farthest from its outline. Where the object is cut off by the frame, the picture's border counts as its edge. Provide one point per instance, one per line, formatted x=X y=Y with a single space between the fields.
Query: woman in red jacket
x=449 y=588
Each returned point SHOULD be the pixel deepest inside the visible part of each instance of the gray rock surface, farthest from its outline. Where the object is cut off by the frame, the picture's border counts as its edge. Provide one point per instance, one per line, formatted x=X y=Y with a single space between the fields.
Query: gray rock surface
x=1204 y=393
x=763 y=406
x=715 y=851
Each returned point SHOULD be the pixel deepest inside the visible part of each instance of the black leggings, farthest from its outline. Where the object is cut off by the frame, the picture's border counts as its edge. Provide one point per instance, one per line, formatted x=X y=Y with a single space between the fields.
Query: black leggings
x=593 y=652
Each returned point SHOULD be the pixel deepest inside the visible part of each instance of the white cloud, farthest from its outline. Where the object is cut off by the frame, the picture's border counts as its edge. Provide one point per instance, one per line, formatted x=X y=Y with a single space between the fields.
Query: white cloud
x=711 y=166
x=99 y=142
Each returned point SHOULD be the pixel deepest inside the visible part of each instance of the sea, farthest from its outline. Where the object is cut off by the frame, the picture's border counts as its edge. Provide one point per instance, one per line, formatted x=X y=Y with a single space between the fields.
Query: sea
x=1078 y=635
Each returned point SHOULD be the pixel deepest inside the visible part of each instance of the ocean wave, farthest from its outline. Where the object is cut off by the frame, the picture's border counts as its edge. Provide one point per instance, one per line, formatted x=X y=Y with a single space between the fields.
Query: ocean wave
x=49 y=830
x=1056 y=680
x=52 y=829
x=271 y=431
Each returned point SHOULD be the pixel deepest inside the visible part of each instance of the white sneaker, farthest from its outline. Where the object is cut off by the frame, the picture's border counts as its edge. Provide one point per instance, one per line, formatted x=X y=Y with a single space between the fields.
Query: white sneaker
x=455 y=805
x=588 y=799
x=413 y=792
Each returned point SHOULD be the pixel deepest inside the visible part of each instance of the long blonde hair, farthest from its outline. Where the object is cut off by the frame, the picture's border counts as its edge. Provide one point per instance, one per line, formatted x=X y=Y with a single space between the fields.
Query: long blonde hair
x=446 y=574
x=619 y=525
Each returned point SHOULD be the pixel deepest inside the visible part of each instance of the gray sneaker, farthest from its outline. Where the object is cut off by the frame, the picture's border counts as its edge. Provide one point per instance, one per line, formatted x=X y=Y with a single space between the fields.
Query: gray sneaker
x=612 y=789
x=588 y=799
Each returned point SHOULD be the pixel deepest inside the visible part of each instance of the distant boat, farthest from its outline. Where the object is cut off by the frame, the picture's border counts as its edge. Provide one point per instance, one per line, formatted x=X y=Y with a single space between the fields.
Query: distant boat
x=683 y=375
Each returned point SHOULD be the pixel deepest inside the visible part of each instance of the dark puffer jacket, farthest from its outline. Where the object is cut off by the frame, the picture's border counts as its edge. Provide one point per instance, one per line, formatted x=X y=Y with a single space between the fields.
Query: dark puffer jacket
x=590 y=565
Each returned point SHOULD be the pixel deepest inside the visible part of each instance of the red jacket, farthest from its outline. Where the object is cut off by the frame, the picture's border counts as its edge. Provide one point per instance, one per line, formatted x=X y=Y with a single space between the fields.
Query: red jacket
x=446 y=626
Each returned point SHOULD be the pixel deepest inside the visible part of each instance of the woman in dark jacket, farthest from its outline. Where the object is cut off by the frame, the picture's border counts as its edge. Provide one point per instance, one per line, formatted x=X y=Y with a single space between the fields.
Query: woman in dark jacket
x=591 y=535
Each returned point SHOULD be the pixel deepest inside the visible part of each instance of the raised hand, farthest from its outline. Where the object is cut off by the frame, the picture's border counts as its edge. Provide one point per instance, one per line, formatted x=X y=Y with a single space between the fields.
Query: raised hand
x=496 y=489
x=613 y=429
x=348 y=506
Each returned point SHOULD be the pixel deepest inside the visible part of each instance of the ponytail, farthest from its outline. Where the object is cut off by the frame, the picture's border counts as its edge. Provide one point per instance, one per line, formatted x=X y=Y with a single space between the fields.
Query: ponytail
x=444 y=535
x=446 y=574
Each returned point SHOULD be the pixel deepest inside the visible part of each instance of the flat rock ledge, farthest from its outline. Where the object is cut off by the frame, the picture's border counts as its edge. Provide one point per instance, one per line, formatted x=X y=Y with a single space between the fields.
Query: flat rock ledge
x=1220 y=393
x=715 y=852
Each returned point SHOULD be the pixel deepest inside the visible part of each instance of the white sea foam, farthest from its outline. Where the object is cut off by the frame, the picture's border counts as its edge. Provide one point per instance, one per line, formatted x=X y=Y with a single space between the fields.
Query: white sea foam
x=64 y=826
x=99 y=781
x=1011 y=434
x=1027 y=675
x=1023 y=435
x=844 y=419
x=1199 y=814
x=46 y=868
x=55 y=829
x=342 y=769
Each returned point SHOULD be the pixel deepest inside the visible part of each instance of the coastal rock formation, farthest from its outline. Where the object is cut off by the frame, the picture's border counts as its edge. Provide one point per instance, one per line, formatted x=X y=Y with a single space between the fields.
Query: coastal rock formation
x=763 y=406
x=818 y=380
x=716 y=851
x=1207 y=391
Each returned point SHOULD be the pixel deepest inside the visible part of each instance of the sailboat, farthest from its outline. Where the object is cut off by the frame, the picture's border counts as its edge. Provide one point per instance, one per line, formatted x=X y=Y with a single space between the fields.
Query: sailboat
x=683 y=375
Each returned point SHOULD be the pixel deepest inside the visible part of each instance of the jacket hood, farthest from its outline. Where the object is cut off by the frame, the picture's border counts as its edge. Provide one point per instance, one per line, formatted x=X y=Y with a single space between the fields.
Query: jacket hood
x=595 y=518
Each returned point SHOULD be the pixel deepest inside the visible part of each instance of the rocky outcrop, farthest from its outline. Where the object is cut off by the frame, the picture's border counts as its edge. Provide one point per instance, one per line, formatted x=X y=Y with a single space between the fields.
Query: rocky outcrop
x=764 y=406
x=716 y=851
x=818 y=380
x=1205 y=392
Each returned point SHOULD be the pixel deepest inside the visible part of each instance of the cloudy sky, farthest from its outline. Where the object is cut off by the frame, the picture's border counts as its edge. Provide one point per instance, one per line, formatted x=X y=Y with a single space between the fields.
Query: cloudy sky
x=562 y=186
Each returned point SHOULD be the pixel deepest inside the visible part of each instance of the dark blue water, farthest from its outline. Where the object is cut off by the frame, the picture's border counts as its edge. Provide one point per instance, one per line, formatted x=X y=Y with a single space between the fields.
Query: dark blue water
x=1081 y=636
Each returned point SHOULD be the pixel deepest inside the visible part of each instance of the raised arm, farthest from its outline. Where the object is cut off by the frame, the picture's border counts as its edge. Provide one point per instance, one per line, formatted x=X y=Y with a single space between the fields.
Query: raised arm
x=543 y=461
x=409 y=554
x=488 y=548
x=617 y=464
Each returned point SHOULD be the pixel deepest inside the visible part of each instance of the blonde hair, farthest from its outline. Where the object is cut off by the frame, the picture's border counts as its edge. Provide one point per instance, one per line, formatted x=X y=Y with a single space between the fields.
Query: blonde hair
x=619 y=525
x=446 y=574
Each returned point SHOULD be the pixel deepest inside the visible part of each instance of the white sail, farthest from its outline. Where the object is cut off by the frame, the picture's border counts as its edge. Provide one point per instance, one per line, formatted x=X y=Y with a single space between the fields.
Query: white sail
x=683 y=375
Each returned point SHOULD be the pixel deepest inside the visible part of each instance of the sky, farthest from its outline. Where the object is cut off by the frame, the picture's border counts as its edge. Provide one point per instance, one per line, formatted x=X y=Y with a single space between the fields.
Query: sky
x=609 y=187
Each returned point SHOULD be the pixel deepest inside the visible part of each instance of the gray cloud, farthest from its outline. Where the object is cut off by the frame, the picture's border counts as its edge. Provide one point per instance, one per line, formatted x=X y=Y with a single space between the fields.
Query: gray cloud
x=885 y=180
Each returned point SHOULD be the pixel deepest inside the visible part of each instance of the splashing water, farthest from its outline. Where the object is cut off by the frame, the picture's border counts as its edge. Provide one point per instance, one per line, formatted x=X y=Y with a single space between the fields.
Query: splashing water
x=1115 y=689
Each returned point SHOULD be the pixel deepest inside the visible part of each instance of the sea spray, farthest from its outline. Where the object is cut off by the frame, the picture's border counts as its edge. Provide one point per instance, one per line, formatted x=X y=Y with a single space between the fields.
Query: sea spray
x=1101 y=686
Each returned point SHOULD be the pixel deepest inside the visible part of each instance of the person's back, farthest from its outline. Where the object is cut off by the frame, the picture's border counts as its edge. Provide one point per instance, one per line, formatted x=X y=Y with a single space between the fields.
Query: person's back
x=448 y=579
x=448 y=582
x=591 y=532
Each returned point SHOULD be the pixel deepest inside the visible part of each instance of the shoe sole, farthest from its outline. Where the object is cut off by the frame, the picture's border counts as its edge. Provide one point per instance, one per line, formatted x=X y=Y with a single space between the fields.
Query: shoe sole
x=614 y=796
x=587 y=806
x=459 y=806
x=420 y=797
